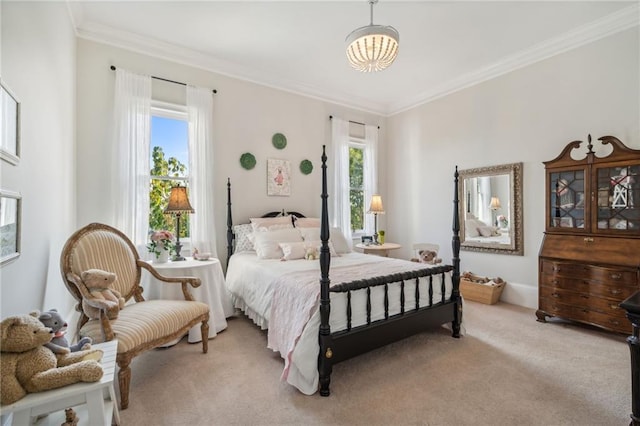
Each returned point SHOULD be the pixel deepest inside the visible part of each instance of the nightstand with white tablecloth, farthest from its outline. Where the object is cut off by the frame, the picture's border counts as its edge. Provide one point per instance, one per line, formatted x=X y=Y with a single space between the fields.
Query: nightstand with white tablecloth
x=212 y=290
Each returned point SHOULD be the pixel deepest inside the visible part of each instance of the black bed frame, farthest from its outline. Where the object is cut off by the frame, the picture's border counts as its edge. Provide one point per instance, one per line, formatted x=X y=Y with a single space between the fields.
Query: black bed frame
x=344 y=344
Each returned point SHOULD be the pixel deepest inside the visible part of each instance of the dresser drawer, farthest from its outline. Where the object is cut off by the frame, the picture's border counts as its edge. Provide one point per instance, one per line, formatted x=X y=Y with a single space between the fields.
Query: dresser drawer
x=616 y=291
x=582 y=301
x=628 y=277
x=586 y=315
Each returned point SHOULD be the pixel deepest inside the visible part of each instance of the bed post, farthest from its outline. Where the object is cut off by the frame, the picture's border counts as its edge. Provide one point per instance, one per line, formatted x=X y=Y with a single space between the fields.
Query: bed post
x=229 y=223
x=324 y=337
x=455 y=278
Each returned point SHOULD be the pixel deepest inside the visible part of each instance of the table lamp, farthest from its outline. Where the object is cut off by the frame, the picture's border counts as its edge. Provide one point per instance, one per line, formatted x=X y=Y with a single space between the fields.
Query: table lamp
x=178 y=204
x=376 y=208
x=495 y=205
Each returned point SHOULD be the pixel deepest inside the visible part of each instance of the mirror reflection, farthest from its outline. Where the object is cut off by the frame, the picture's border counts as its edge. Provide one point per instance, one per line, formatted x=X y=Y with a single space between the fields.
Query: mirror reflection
x=491 y=209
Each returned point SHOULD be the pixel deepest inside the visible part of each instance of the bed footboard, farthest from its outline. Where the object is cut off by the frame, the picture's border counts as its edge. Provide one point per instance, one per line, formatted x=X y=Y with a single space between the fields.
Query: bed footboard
x=410 y=320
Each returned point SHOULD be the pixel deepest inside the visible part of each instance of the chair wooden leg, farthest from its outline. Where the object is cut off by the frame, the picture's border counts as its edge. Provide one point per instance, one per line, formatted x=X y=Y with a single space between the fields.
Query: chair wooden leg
x=124 y=380
x=204 y=330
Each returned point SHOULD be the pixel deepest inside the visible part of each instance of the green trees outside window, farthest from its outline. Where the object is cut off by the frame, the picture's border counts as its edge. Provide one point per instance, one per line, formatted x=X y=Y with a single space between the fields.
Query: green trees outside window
x=356 y=187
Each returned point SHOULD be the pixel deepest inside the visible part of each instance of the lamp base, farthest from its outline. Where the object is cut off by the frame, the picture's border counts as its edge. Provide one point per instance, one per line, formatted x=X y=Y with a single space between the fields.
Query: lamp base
x=177 y=257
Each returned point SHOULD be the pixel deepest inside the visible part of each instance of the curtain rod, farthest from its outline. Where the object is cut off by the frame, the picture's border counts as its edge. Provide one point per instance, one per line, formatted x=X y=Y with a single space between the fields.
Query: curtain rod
x=354 y=122
x=113 y=68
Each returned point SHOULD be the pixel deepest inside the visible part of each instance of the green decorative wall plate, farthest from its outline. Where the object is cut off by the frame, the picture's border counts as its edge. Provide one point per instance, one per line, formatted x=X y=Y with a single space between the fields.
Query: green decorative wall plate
x=279 y=140
x=306 y=167
x=247 y=161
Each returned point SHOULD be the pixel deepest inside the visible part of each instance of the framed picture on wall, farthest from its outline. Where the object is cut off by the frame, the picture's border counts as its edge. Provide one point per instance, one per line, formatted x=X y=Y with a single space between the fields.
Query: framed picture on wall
x=10 y=206
x=278 y=177
x=9 y=126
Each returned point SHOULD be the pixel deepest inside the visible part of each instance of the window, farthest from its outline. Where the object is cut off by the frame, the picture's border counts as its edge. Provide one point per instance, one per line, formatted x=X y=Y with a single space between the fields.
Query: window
x=356 y=186
x=169 y=163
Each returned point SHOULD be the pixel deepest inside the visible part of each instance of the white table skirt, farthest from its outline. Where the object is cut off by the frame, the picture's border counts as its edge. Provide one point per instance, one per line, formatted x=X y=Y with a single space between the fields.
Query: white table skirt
x=212 y=291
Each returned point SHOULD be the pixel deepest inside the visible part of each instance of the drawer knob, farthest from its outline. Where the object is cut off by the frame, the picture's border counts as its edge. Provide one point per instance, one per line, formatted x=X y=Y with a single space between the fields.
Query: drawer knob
x=556 y=295
x=614 y=322
x=584 y=296
x=616 y=276
x=615 y=291
x=588 y=239
x=614 y=307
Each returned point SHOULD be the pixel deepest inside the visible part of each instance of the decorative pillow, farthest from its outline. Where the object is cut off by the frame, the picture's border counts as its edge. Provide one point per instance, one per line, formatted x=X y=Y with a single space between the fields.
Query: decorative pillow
x=243 y=241
x=267 y=243
x=265 y=222
x=292 y=251
x=472 y=227
x=307 y=222
x=488 y=231
x=339 y=241
x=310 y=234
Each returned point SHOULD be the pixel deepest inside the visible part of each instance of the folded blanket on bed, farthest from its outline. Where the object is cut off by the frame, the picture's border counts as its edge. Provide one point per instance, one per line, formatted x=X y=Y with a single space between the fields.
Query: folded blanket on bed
x=296 y=296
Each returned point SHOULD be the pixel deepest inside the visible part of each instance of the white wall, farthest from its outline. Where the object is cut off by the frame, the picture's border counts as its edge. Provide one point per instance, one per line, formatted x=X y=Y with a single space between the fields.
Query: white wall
x=38 y=65
x=528 y=115
x=246 y=115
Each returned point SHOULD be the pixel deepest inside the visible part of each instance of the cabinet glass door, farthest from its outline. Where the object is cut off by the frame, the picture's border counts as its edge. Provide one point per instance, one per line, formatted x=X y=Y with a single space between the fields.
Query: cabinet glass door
x=618 y=192
x=567 y=192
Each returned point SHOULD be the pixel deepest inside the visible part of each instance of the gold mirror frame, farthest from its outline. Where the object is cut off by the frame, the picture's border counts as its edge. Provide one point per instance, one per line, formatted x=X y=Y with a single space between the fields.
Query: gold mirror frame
x=514 y=205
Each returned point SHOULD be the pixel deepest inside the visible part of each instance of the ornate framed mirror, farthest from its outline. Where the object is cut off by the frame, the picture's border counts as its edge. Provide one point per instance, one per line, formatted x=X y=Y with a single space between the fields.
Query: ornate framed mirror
x=491 y=209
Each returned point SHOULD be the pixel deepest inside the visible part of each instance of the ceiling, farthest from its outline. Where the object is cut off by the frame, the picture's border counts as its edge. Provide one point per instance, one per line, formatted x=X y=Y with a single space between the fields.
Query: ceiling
x=299 y=46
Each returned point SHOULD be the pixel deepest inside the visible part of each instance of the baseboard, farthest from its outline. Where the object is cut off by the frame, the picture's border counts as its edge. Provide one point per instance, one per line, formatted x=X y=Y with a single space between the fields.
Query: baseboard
x=521 y=295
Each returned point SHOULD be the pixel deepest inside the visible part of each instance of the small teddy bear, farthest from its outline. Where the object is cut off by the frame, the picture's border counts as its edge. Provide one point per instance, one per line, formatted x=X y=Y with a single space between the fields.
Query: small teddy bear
x=427 y=256
x=59 y=344
x=97 y=294
x=70 y=417
x=311 y=253
x=29 y=366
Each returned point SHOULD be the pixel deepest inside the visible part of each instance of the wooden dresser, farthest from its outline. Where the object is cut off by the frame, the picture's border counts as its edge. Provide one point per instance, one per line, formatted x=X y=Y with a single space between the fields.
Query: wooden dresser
x=589 y=261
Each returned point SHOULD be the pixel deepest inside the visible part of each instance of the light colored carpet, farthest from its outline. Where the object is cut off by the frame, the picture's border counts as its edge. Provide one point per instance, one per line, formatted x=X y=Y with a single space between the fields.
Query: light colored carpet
x=507 y=370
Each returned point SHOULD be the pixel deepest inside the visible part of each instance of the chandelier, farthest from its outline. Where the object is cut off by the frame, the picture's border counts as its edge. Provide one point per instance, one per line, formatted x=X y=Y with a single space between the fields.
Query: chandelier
x=372 y=47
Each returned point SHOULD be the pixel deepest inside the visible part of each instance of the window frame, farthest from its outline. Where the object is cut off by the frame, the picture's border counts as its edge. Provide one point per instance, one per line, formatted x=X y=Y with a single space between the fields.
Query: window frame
x=175 y=112
x=359 y=143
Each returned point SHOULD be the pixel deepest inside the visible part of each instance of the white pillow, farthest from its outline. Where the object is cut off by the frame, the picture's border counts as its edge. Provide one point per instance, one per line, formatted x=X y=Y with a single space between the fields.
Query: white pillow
x=258 y=223
x=292 y=251
x=243 y=237
x=307 y=222
x=339 y=241
x=310 y=234
x=267 y=243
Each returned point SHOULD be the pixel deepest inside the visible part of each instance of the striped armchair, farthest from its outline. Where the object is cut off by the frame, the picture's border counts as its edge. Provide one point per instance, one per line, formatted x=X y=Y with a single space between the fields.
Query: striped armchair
x=141 y=324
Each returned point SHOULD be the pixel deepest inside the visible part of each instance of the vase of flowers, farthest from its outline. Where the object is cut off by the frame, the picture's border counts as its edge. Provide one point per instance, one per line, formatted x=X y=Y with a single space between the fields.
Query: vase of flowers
x=502 y=221
x=381 y=237
x=161 y=245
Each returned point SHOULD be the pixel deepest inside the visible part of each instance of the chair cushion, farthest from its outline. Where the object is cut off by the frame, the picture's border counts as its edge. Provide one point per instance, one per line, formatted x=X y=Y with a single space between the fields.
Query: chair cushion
x=140 y=323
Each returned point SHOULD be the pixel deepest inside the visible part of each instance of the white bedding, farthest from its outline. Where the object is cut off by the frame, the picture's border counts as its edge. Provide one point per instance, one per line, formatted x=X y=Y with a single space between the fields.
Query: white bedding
x=252 y=282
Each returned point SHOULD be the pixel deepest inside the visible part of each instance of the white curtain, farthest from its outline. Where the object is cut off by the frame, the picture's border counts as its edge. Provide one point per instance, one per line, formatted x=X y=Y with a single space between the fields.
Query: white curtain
x=370 y=173
x=339 y=206
x=130 y=183
x=201 y=191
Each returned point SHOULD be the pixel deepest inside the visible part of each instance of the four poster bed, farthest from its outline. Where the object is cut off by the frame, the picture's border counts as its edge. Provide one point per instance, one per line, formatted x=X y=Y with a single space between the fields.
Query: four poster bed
x=372 y=301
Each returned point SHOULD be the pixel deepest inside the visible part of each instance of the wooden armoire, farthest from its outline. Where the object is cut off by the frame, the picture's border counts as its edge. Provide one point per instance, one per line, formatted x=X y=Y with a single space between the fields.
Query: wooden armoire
x=589 y=260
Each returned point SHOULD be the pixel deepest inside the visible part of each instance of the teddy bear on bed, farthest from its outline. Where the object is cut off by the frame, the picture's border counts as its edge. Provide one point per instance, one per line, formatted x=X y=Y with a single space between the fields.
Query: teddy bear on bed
x=427 y=256
x=29 y=366
x=59 y=344
x=97 y=293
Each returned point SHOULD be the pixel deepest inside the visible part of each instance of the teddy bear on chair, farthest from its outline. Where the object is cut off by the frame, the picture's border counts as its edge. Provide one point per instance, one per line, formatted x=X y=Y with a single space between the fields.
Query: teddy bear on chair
x=97 y=293
x=427 y=256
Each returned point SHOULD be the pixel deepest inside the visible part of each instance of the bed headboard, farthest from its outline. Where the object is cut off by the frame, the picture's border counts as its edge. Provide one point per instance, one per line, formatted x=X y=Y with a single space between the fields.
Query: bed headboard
x=231 y=235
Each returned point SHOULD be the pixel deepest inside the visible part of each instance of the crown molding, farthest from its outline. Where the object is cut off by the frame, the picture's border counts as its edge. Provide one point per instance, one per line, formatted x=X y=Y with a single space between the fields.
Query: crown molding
x=611 y=24
x=616 y=22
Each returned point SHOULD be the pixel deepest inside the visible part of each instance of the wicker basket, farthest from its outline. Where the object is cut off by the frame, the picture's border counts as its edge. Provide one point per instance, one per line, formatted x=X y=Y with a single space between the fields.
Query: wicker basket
x=483 y=293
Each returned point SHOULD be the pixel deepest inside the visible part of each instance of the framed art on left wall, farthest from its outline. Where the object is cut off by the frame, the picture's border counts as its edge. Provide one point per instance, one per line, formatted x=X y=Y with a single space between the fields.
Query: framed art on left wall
x=9 y=126
x=10 y=209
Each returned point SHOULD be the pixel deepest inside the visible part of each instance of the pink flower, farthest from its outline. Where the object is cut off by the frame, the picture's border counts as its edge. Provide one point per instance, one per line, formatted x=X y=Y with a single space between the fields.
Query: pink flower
x=161 y=235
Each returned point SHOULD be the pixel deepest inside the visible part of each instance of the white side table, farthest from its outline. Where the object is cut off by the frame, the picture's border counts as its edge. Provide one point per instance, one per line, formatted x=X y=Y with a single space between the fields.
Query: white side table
x=212 y=290
x=95 y=403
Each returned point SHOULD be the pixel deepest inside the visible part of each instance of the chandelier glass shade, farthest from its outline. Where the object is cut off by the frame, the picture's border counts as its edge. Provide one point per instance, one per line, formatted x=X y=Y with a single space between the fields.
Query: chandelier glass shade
x=372 y=47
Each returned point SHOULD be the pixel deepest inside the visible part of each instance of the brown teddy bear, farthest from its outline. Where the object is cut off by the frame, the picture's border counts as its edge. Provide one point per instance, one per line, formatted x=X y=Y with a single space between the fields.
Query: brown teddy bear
x=427 y=256
x=29 y=366
x=70 y=417
x=97 y=294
